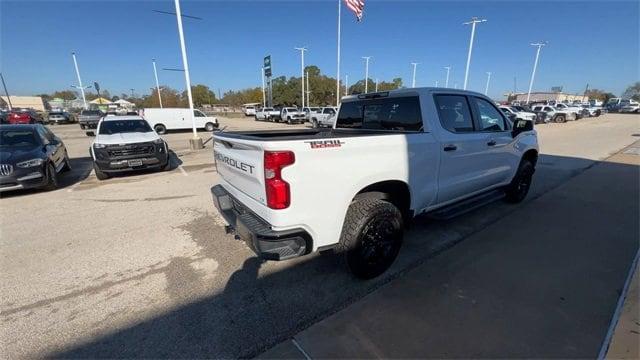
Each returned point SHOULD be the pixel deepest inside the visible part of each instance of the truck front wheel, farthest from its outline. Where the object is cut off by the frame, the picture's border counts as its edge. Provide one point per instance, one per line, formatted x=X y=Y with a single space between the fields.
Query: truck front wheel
x=371 y=237
x=519 y=187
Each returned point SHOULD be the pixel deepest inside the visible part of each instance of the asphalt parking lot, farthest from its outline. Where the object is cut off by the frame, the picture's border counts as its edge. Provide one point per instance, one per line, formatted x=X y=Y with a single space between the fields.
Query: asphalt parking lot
x=139 y=265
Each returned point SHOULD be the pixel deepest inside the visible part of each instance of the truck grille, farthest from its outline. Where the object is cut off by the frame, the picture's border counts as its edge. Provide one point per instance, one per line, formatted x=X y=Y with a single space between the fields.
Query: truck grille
x=6 y=169
x=131 y=150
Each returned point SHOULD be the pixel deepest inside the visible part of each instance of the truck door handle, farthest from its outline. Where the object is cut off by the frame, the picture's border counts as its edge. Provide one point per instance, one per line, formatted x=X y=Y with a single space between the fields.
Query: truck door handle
x=491 y=143
x=450 y=148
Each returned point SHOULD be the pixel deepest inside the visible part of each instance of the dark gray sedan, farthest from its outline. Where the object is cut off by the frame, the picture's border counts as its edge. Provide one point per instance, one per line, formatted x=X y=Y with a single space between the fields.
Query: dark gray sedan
x=31 y=156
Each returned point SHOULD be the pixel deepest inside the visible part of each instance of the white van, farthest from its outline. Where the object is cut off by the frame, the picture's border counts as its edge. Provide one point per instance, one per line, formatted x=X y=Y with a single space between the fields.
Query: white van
x=165 y=119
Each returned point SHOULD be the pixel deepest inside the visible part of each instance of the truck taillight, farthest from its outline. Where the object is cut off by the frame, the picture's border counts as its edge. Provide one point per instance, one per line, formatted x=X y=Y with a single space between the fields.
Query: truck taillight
x=278 y=194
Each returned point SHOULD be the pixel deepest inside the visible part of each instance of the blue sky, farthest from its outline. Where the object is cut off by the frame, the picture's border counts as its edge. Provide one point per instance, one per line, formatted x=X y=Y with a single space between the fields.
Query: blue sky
x=593 y=42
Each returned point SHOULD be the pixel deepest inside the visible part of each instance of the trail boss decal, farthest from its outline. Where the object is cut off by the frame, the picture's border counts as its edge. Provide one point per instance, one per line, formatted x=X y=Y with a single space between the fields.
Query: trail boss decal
x=322 y=144
x=235 y=163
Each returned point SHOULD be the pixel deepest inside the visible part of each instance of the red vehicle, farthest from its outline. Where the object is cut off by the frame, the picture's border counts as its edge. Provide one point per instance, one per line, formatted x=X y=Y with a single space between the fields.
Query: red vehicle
x=24 y=116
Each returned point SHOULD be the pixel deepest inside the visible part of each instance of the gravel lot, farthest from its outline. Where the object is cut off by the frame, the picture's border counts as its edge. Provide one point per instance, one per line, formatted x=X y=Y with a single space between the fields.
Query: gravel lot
x=139 y=265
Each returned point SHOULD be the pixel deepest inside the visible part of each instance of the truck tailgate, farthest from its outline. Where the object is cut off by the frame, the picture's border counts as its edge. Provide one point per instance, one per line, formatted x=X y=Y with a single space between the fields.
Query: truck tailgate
x=240 y=163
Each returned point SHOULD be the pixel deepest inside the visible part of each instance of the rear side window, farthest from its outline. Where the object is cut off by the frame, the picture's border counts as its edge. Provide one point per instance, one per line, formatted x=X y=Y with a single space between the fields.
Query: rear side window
x=399 y=113
x=454 y=113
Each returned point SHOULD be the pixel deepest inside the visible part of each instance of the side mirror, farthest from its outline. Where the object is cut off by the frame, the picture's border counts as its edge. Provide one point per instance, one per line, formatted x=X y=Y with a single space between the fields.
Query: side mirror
x=90 y=133
x=520 y=126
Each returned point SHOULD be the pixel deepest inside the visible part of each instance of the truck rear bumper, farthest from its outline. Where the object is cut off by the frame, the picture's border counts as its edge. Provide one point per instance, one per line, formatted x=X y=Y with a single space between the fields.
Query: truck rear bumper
x=267 y=243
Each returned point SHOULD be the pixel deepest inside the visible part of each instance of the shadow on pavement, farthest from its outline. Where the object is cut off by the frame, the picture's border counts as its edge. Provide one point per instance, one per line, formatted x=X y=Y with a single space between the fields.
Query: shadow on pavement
x=265 y=303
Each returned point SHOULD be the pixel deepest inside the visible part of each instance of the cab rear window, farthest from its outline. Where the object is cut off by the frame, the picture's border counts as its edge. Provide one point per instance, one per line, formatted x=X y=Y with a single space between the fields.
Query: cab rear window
x=396 y=113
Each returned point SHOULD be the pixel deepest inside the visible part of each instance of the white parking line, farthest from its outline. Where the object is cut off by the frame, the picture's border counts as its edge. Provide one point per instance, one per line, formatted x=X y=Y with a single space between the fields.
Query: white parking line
x=301 y=349
x=183 y=171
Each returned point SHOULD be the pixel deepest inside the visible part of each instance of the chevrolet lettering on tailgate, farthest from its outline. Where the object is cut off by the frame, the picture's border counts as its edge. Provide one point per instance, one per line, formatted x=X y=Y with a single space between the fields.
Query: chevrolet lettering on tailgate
x=235 y=163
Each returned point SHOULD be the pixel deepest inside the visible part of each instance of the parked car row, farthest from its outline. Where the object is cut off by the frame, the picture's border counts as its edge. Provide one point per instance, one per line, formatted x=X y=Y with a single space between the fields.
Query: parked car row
x=552 y=112
x=318 y=116
x=161 y=120
x=31 y=156
x=623 y=105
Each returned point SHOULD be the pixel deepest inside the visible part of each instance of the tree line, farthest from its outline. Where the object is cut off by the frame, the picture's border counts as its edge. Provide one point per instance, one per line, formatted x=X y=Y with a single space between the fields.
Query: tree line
x=286 y=92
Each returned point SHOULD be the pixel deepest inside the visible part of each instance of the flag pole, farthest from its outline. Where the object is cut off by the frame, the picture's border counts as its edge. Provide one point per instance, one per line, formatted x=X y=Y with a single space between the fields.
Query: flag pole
x=338 y=66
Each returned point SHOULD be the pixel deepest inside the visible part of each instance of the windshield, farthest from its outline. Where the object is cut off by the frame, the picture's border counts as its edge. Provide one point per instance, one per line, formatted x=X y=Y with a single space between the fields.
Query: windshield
x=124 y=126
x=20 y=138
x=91 y=112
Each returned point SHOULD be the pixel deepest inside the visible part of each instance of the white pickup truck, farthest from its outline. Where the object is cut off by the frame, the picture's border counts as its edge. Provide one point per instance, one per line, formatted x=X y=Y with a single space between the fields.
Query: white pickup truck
x=389 y=157
x=324 y=118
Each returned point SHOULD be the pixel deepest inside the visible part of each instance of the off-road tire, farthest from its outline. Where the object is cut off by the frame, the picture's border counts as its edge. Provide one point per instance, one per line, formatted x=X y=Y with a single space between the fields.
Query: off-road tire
x=371 y=237
x=519 y=187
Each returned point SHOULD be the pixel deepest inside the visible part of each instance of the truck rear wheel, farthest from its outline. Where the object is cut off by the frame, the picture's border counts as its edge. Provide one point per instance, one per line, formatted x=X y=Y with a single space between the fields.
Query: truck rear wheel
x=371 y=237
x=160 y=129
x=519 y=187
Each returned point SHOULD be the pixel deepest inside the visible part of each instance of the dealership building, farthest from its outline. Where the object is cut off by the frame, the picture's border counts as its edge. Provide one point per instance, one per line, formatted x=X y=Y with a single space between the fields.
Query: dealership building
x=547 y=96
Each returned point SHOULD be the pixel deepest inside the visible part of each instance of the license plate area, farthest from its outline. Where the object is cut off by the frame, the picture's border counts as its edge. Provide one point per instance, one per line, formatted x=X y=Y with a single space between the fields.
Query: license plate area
x=134 y=162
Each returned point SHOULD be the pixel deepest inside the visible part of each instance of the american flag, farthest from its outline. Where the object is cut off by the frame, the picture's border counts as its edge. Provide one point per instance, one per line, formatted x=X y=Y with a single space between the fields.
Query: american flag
x=357 y=6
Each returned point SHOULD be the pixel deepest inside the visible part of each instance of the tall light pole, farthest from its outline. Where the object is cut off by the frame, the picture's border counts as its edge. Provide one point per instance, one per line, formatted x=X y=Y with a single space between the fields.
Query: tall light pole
x=436 y=83
x=308 y=91
x=196 y=142
x=446 y=83
x=338 y=65
x=302 y=50
x=473 y=22
x=376 y=84
x=6 y=92
x=346 y=85
x=75 y=63
x=131 y=92
x=155 y=73
x=366 y=73
x=535 y=66
x=486 y=88
x=413 y=81
x=264 y=98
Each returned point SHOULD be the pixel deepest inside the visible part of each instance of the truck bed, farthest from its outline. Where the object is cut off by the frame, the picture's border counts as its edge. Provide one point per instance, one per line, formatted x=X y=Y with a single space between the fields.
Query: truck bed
x=303 y=134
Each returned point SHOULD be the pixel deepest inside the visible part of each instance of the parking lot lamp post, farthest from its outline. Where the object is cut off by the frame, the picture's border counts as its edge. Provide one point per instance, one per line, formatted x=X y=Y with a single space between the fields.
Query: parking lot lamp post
x=308 y=91
x=302 y=50
x=446 y=82
x=535 y=66
x=346 y=85
x=413 y=81
x=473 y=22
x=155 y=73
x=376 y=84
x=436 y=83
x=6 y=92
x=75 y=63
x=338 y=62
x=196 y=142
x=264 y=98
x=486 y=88
x=366 y=73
